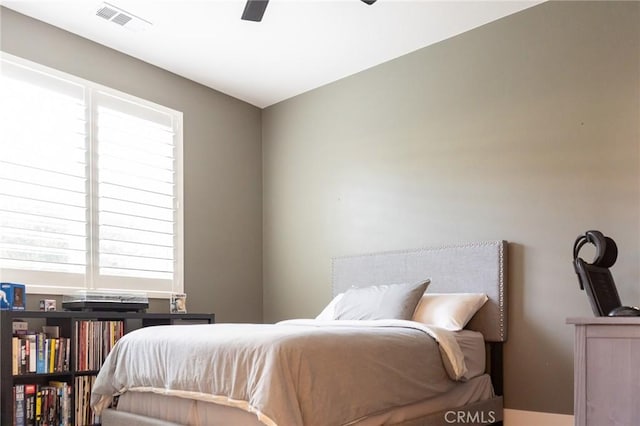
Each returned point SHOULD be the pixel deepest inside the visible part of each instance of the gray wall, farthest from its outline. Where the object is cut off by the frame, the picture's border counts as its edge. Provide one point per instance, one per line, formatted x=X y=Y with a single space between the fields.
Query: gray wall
x=222 y=164
x=526 y=129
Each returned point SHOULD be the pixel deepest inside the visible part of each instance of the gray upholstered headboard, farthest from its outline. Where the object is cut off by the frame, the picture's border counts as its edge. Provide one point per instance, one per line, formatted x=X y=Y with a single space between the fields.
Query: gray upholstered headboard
x=467 y=268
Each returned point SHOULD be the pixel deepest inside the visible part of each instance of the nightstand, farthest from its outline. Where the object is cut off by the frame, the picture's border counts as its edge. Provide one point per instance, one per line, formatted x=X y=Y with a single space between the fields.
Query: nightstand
x=606 y=371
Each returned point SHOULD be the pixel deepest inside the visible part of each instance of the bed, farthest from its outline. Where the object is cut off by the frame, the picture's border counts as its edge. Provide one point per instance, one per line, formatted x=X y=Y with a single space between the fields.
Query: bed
x=344 y=371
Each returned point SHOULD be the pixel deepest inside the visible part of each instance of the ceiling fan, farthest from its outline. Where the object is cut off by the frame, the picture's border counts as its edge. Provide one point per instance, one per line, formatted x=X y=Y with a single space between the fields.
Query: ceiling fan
x=254 y=9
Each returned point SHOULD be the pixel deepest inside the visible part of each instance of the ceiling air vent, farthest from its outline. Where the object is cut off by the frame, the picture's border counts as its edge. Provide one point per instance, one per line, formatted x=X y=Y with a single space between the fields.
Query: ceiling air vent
x=122 y=17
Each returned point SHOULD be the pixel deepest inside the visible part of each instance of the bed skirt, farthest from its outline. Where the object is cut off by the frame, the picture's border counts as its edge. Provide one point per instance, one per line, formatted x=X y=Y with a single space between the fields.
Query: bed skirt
x=474 y=404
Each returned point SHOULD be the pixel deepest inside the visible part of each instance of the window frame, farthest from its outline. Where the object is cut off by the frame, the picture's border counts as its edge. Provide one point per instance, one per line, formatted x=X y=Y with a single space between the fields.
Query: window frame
x=91 y=89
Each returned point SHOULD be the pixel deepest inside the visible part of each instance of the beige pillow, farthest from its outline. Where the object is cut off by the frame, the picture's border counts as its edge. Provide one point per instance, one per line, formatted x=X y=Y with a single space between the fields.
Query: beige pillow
x=448 y=310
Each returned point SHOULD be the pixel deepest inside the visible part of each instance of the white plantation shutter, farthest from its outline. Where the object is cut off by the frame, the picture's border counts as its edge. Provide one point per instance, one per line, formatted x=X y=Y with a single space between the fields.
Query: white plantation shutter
x=90 y=186
x=136 y=192
x=43 y=204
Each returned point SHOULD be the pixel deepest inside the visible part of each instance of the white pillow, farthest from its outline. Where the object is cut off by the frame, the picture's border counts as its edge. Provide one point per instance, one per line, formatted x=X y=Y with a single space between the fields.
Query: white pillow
x=329 y=312
x=387 y=301
x=451 y=311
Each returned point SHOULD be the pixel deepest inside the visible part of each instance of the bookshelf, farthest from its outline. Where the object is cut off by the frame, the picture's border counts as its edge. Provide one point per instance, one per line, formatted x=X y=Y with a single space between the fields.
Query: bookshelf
x=84 y=354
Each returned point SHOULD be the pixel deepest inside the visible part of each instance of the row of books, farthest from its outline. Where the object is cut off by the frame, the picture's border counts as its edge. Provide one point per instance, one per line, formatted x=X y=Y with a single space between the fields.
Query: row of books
x=42 y=405
x=45 y=352
x=83 y=412
x=39 y=353
x=95 y=339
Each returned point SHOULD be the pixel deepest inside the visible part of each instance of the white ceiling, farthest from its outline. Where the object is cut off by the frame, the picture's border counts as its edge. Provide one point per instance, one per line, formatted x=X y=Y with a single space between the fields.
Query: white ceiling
x=298 y=46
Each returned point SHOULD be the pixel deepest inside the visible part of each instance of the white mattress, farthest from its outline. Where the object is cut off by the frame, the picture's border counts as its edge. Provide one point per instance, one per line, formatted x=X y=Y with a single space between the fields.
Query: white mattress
x=185 y=411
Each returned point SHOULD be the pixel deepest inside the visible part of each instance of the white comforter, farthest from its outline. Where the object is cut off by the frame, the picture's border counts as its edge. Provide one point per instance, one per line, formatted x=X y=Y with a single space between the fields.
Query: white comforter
x=298 y=372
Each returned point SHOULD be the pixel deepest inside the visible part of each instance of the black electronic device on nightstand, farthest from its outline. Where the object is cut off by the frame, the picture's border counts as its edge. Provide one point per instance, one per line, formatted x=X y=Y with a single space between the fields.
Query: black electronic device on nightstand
x=596 y=279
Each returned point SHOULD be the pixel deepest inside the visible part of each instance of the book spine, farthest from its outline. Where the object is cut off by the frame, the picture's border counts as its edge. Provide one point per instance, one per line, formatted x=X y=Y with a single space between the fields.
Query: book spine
x=38 y=406
x=47 y=348
x=52 y=354
x=45 y=405
x=81 y=346
x=18 y=414
x=15 y=355
x=33 y=355
x=27 y=354
x=76 y=398
x=60 y=354
x=52 y=397
x=30 y=404
x=23 y=356
x=40 y=360
x=67 y=353
x=64 y=404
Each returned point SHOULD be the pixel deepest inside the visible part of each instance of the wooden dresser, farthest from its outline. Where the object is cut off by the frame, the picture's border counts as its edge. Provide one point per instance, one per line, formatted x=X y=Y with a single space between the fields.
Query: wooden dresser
x=606 y=371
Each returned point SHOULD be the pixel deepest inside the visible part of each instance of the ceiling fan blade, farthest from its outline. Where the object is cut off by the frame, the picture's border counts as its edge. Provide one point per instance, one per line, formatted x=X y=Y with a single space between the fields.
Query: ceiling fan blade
x=369 y=2
x=254 y=9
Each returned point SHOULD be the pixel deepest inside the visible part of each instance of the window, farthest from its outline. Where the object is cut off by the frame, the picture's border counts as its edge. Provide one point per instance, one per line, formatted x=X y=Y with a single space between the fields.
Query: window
x=90 y=186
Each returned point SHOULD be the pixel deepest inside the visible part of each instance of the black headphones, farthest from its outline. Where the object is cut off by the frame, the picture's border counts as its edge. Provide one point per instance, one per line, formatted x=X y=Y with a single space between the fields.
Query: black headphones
x=606 y=252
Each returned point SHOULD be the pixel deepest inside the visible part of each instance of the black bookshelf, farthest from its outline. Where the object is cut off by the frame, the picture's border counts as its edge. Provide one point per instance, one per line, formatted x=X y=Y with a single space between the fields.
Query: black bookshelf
x=66 y=322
